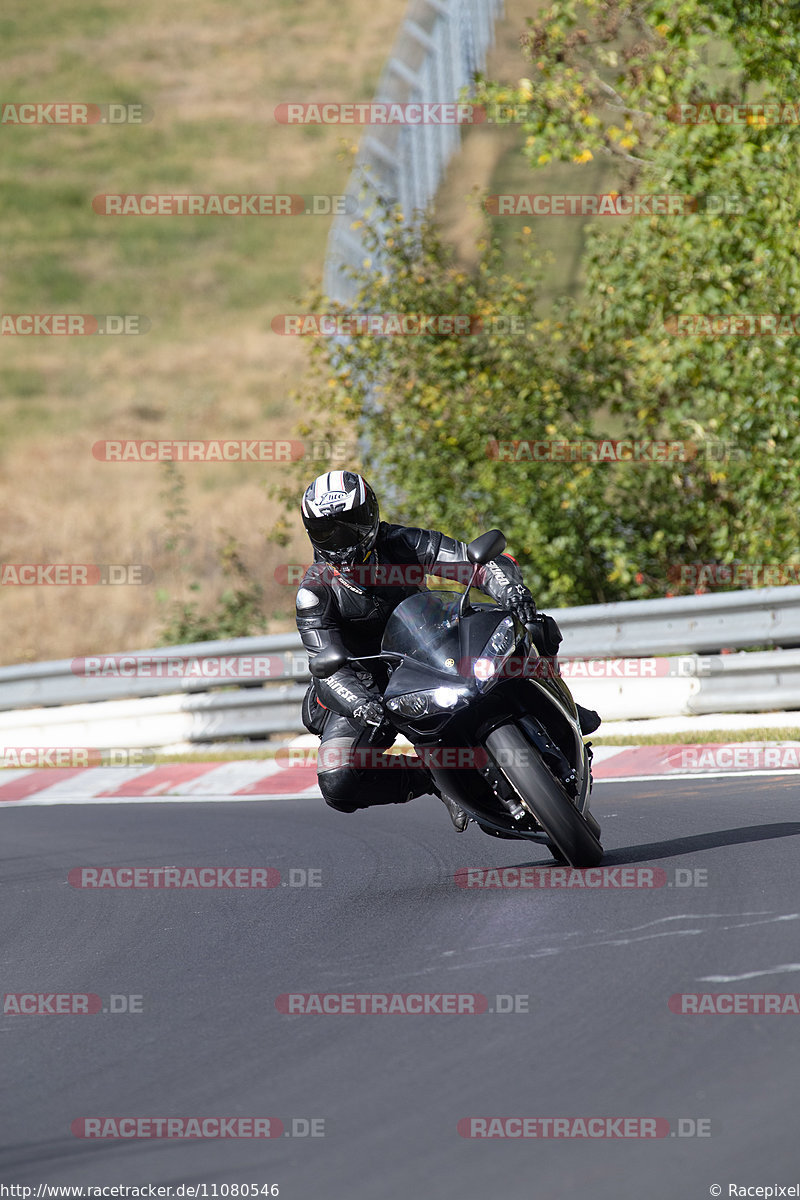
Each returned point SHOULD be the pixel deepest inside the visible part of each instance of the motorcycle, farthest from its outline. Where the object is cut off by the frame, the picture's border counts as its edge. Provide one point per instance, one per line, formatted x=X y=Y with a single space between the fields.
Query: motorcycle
x=489 y=715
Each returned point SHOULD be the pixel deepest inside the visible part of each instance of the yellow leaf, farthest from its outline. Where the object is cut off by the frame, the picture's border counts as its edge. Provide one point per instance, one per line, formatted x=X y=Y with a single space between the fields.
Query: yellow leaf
x=584 y=156
x=543 y=158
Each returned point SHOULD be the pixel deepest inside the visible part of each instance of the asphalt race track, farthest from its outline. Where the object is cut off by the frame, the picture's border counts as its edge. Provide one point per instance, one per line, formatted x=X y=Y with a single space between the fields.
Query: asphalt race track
x=596 y=968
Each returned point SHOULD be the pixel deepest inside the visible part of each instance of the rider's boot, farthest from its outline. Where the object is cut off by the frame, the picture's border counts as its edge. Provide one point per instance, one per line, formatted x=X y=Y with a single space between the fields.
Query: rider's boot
x=457 y=815
x=588 y=719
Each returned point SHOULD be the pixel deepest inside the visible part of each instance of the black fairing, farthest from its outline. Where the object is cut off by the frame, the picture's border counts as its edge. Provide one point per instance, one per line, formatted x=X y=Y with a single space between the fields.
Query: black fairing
x=447 y=654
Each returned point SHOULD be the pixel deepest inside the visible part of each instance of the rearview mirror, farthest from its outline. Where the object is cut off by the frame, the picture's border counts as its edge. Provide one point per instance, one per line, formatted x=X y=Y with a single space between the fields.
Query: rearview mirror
x=486 y=547
x=327 y=662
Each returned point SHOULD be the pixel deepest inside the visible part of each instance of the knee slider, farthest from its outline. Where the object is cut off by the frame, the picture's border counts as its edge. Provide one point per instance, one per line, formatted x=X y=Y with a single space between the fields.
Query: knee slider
x=338 y=787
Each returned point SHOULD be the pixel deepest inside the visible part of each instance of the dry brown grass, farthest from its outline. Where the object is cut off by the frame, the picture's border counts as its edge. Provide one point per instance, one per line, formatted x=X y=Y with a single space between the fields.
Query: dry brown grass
x=213 y=72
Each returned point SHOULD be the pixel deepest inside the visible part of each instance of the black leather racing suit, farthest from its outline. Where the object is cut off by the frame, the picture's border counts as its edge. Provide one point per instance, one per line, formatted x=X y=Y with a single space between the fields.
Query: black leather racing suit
x=351 y=611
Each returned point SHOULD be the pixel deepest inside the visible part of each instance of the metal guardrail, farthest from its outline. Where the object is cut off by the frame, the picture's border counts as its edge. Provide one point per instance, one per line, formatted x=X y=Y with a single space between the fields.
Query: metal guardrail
x=194 y=667
x=184 y=702
x=442 y=43
x=683 y=624
x=758 y=682
x=628 y=628
x=157 y=721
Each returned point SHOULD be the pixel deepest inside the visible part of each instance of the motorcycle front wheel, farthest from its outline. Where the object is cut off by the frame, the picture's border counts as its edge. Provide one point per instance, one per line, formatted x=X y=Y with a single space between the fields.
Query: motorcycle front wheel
x=541 y=795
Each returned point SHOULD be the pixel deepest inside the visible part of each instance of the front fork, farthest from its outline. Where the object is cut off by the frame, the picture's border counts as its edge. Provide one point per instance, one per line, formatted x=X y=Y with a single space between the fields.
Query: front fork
x=503 y=790
x=555 y=683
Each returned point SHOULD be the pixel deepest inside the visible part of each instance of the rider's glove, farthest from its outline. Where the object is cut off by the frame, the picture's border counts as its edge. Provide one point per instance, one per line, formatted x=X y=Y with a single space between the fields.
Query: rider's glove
x=551 y=635
x=370 y=713
x=521 y=603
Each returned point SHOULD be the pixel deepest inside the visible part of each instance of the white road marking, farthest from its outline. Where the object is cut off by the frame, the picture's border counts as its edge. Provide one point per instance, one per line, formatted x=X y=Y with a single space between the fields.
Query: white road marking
x=785 y=969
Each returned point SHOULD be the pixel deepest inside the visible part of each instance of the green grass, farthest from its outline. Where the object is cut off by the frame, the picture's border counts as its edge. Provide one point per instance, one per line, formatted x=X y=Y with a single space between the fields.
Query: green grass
x=270 y=749
x=656 y=739
x=698 y=738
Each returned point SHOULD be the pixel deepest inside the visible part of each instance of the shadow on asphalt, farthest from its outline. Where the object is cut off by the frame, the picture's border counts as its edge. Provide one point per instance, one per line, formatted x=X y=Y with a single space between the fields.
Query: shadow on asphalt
x=675 y=847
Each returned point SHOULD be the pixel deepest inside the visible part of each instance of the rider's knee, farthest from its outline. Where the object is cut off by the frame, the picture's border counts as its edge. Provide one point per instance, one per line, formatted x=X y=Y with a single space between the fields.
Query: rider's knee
x=339 y=789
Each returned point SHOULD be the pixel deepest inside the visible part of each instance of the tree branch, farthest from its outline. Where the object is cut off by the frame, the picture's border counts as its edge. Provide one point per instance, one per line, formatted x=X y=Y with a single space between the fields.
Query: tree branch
x=631 y=158
x=609 y=90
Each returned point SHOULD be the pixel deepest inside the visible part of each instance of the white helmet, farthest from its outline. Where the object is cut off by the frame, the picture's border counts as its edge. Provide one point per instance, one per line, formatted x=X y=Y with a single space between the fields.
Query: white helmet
x=341 y=516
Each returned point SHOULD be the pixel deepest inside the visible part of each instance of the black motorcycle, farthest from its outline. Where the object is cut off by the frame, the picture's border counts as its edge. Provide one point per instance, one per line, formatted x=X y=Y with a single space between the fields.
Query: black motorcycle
x=489 y=715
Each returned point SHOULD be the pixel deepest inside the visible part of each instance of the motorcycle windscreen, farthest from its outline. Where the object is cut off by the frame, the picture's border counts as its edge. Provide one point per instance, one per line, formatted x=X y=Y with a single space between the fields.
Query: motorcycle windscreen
x=425 y=627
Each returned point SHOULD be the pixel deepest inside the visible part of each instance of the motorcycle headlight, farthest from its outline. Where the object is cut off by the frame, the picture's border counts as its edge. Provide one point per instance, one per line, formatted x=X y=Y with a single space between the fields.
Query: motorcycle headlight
x=495 y=652
x=420 y=704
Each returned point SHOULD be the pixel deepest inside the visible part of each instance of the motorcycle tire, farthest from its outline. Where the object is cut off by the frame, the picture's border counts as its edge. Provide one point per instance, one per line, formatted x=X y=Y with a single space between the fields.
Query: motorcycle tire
x=540 y=793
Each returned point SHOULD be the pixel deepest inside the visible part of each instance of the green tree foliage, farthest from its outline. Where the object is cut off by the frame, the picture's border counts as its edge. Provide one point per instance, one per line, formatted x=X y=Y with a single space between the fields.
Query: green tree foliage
x=607 y=77
x=437 y=410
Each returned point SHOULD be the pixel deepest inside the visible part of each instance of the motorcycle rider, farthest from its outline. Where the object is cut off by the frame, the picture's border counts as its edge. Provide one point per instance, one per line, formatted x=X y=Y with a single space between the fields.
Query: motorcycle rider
x=346 y=600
